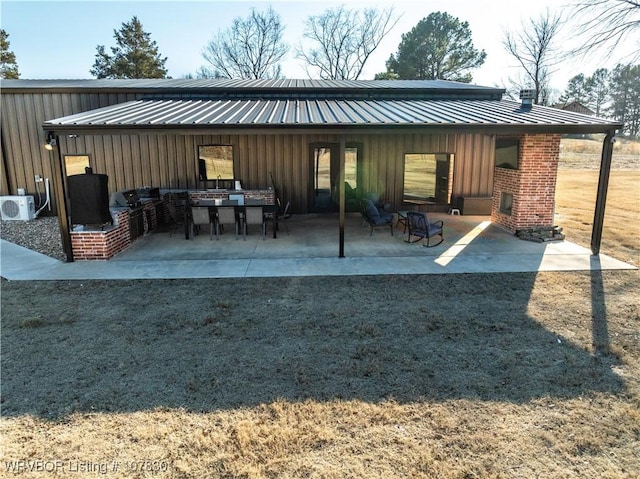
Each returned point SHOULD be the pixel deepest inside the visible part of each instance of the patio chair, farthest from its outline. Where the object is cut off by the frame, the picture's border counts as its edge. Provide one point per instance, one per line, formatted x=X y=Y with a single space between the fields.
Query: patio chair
x=421 y=228
x=253 y=215
x=177 y=219
x=225 y=215
x=286 y=214
x=199 y=217
x=375 y=217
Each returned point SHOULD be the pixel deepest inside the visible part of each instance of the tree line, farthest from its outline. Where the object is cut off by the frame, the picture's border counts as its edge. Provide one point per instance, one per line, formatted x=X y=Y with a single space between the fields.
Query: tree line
x=340 y=41
x=614 y=93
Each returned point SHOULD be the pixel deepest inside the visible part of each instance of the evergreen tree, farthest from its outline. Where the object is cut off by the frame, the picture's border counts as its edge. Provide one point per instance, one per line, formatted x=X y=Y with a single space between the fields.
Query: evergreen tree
x=625 y=97
x=8 y=65
x=599 y=88
x=578 y=90
x=438 y=47
x=135 y=55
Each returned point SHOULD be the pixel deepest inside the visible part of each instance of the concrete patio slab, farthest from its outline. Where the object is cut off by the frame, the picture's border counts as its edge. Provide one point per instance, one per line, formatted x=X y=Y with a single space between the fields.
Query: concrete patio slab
x=472 y=245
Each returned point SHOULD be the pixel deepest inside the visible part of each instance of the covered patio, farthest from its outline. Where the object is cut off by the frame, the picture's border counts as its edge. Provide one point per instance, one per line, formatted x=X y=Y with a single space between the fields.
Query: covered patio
x=405 y=140
x=276 y=128
x=472 y=245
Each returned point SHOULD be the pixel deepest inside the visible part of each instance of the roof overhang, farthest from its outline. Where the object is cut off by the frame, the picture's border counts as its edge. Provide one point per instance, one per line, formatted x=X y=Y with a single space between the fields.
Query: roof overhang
x=274 y=116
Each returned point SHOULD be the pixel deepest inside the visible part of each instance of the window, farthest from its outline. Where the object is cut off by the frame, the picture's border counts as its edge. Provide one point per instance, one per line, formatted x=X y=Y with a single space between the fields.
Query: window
x=507 y=153
x=351 y=167
x=76 y=164
x=215 y=162
x=426 y=177
x=506 y=203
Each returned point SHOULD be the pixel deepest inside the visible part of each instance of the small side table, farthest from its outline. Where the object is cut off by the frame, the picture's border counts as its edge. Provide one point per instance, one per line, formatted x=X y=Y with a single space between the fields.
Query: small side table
x=454 y=211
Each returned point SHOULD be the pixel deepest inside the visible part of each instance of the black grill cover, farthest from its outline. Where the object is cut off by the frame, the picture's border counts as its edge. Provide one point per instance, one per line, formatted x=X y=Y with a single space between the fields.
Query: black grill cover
x=89 y=199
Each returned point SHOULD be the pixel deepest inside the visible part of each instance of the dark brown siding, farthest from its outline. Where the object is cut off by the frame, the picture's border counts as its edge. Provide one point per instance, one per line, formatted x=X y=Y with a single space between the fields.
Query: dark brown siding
x=23 y=137
x=169 y=160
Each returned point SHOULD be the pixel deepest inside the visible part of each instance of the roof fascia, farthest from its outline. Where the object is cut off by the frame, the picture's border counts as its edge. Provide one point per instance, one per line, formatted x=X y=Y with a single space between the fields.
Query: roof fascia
x=333 y=129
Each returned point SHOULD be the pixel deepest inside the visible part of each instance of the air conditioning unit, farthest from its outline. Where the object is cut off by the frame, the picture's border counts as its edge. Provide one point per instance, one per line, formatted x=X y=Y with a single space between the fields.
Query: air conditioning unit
x=17 y=208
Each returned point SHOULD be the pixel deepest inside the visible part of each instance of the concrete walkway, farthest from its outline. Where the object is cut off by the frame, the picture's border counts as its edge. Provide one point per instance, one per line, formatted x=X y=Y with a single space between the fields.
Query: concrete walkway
x=473 y=247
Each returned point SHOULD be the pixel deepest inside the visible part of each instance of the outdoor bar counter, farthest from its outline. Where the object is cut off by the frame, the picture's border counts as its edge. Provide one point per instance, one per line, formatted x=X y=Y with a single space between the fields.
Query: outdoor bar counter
x=212 y=198
x=101 y=243
x=96 y=242
x=266 y=195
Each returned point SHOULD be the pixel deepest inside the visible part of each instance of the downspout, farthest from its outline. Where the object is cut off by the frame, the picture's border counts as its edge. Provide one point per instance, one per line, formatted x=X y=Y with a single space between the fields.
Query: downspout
x=603 y=185
x=59 y=174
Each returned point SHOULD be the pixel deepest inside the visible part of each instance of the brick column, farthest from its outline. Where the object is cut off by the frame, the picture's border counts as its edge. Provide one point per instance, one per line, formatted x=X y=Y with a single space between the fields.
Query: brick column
x=532 y=185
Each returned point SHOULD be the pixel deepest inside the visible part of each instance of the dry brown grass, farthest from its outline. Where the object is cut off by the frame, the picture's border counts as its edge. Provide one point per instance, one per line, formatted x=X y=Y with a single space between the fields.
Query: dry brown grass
x=576 y=191
x=578 y=153
x=454 y=376
x=575 y=198
x=517 y=375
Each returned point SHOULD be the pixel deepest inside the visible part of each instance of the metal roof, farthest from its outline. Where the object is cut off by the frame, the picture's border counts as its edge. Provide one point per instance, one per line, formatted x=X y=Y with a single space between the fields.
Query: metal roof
x=213 y=85
x=480 y=114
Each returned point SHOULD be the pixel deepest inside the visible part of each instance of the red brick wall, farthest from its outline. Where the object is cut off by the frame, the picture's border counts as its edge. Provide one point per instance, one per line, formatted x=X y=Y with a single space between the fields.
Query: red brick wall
x=102 y=244
x=532 y=185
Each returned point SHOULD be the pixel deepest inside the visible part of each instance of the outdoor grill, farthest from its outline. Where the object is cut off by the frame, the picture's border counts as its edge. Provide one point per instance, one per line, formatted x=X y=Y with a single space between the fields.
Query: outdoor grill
x=149 y=192
x=153 y=194
x=131 y=200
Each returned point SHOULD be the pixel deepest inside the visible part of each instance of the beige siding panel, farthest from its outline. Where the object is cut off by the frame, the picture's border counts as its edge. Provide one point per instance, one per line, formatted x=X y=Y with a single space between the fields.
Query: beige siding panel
x=473 y=171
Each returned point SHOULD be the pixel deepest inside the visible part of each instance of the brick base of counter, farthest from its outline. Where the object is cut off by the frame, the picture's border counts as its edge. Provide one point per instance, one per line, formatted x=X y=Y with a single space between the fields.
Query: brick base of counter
x=102 y=244
x=105 y=244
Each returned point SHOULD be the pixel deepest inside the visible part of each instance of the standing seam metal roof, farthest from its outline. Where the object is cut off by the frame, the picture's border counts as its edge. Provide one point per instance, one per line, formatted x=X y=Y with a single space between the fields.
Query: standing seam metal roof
x=324 y=113
x=243 y=86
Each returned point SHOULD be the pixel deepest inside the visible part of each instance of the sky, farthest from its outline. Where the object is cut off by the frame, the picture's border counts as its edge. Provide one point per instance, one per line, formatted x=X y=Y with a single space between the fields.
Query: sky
x=58 y=39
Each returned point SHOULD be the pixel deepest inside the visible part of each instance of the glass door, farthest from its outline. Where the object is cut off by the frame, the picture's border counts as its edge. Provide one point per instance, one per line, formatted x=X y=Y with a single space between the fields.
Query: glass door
x=323 y=181
x=325 y=169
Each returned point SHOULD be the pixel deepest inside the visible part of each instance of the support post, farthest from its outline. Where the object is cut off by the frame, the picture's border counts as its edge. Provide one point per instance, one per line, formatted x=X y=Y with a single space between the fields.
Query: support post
x=341 y=198
x=59 y=174
x=601 y=198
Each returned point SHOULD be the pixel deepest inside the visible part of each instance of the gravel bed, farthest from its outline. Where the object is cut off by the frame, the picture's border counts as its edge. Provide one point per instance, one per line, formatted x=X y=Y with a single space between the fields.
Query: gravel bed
x=41 y=235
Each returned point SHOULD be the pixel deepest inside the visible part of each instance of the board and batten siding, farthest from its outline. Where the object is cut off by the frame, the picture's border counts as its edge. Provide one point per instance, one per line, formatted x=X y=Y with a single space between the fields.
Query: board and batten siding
x=23 y=138
x=169 y=160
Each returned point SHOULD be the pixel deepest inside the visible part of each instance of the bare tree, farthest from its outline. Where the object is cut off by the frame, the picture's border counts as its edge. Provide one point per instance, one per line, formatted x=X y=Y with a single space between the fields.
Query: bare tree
x=605 y=24
x=343 y=40
x=251 y=48
x=535 y=51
